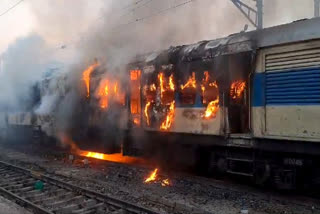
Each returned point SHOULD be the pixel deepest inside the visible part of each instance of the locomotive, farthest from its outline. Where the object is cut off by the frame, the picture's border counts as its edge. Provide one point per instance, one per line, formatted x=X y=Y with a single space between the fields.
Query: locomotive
x=245 y=105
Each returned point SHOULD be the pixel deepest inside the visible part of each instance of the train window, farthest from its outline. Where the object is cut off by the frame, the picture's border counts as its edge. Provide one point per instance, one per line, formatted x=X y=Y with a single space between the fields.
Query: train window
x=209 y=88
x=210 y=95
x=189 y=90
x=150 y=94
x=167 y=88
x=135 y=98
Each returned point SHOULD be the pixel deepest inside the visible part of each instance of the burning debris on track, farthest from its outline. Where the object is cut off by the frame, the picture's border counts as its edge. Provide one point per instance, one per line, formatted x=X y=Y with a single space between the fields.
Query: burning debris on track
x=148 y=187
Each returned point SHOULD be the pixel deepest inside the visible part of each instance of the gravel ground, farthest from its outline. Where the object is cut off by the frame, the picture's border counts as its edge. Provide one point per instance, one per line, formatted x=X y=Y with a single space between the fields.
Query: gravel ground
x=8 y=207
x=185 y=194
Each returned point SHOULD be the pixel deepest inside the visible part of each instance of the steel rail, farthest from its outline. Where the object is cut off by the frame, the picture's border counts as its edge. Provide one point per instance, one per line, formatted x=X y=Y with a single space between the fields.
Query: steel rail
x=111 y=201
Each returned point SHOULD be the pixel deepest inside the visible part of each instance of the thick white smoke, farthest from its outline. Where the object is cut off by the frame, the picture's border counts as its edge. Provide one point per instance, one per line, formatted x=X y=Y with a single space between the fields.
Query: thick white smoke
x=23 y=64
x=114 y=32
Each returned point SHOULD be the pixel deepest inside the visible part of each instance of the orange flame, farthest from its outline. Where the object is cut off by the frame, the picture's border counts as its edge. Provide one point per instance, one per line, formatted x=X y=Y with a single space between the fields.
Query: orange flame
x=117 y=157
x=134 y=74
x=164 y=85
x=162 y=89
x=212 y=109
x=86 y=76
x=237 y=89
x=169 y=118
x=153 y=87
x=191 y=83
x=152 y=176
x=171 y=83
x=165 y=182
x=136 y=121
x=213 y=105
x=135 y=99
x=146 y=112
x=104 y=93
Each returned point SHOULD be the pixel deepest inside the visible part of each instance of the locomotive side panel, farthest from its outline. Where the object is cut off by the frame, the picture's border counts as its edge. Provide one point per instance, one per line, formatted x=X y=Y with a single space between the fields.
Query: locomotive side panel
x=286 y=97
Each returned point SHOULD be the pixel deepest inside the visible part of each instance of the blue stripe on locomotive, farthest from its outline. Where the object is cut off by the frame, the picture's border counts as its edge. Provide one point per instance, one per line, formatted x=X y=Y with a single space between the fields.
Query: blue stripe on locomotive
x=294 y=87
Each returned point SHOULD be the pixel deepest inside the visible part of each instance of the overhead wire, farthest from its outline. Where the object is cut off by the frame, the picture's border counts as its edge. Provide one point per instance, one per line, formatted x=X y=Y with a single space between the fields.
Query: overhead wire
x=133 y=3
x=155 y=14
x=136 y=8
x=138 y=19
x=11 y=8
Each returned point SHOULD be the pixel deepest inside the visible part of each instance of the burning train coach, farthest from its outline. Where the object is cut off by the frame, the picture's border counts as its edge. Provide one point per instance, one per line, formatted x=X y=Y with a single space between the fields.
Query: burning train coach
x=246 y=105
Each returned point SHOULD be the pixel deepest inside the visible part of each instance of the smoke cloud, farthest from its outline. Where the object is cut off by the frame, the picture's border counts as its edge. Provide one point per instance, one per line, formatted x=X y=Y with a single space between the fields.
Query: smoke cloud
x=22 y=66
x=113 y=32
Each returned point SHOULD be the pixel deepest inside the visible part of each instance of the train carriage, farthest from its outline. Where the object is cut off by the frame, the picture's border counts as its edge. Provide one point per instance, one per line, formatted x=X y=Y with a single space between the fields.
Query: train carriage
x=245 y=105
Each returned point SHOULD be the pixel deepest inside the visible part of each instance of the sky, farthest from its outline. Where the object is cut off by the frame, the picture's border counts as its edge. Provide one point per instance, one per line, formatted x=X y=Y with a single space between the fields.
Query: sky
x=64 y=21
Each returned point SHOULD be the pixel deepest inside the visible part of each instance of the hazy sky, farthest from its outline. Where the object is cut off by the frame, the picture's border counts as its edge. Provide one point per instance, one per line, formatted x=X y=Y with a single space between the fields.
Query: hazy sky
x=40 y=16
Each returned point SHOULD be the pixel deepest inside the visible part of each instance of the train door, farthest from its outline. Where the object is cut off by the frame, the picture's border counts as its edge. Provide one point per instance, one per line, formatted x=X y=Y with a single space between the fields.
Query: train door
x=135 y=97
x=239 y=67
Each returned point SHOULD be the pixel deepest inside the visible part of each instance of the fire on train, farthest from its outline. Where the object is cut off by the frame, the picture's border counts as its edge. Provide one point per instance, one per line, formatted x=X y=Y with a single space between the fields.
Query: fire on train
x=245 y=105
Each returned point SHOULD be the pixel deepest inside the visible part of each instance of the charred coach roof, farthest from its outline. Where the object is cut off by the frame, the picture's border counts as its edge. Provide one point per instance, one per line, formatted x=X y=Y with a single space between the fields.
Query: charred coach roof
x=297 y=31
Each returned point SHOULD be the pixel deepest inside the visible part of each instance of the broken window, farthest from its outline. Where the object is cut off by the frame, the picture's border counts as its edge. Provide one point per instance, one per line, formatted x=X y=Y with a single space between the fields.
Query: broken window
x=189 y=90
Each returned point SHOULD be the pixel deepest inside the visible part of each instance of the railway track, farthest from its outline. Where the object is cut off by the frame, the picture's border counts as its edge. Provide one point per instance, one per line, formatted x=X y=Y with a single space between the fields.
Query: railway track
x=47 y=195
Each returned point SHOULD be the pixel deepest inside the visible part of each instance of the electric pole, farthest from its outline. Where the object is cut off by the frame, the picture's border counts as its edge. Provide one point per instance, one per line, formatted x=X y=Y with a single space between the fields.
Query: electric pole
x=254 y=15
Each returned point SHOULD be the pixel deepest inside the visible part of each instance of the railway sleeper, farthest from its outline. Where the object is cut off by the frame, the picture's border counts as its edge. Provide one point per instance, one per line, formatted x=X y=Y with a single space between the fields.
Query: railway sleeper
x=10 y=175
x=66 y=209
x=20 y=186
x=15 y=180
x=89 y=208
x=58 y=197
x=120 y=211
x=3 y=170
x=47 y=192
x=57 y=205
x=86 y=205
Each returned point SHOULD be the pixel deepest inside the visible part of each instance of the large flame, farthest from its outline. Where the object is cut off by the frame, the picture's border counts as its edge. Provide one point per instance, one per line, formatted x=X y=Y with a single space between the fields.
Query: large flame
x=103 y=93
x=237 y=89
x=135 y=74
x=212 y=109
x=135 y=99
x=161 y=83
x=146 y=112
x=86 y=76
x=213 y=105
x=169 y=118
x=191 y=83
x=118 y=157
x=165 y=85
x=171 y=83
x=110 y=91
